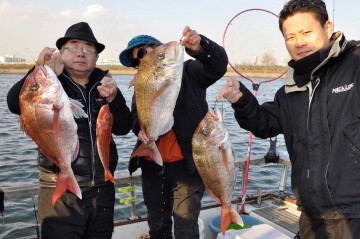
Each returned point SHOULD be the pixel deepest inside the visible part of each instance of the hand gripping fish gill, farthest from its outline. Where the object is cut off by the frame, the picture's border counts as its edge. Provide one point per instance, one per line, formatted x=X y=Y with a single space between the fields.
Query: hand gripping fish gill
x=214 y=158
x=47 y=116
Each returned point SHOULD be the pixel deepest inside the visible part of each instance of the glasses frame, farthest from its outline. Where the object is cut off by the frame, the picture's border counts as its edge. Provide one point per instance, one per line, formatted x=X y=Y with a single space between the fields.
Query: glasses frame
x=85 y=50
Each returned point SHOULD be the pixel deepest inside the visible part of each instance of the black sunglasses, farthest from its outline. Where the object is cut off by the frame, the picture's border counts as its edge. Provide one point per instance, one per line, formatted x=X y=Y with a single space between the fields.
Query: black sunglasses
x=140 y=54
x=142 y=51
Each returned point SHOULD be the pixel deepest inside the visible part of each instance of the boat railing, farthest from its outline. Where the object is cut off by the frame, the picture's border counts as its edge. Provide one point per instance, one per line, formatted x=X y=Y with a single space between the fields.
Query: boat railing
x=32 y=191
x=28 y=191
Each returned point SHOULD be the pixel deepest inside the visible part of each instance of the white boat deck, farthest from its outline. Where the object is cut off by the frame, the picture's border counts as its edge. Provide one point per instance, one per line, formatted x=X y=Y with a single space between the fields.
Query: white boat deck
x=276 y=225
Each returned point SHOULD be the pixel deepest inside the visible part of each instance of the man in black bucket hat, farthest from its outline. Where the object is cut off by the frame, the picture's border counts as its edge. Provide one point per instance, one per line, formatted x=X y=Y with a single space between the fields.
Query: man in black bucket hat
x=74 y=64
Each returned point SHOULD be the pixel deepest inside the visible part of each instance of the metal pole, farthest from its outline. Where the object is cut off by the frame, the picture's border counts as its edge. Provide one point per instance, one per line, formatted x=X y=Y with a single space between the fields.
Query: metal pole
x=133 y=205
x=283 y=178
x=334 y=12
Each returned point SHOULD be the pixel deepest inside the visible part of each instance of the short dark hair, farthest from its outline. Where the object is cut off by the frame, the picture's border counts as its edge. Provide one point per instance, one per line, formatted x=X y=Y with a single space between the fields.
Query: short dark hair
x=316 y=7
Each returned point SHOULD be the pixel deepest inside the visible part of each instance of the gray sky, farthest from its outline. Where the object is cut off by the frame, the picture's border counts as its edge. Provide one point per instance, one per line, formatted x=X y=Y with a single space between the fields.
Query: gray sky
x=28 y=26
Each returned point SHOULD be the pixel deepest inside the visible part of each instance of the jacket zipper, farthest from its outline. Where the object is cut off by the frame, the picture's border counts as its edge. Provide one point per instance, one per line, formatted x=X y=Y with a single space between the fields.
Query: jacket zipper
x=92 y=141
x=90 y=125
x=311 y=94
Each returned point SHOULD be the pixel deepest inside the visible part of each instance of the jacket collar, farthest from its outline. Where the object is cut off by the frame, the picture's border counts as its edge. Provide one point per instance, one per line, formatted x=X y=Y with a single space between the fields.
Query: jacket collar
x=337 y=46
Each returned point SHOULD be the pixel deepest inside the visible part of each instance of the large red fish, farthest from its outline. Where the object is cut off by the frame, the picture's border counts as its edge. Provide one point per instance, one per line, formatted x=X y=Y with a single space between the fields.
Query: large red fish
x=103 y=136
x=47 y=116
x=214 y=158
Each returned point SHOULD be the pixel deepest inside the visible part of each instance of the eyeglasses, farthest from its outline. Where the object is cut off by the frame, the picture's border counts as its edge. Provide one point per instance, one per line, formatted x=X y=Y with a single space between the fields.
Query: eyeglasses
x=87 y=51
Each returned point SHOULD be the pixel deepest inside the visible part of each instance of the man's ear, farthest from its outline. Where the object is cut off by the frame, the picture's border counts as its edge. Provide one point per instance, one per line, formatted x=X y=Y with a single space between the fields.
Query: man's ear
x=329 y=28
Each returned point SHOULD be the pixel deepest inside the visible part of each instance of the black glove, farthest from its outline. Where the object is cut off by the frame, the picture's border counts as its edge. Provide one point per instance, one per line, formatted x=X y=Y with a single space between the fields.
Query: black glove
x=134 y=164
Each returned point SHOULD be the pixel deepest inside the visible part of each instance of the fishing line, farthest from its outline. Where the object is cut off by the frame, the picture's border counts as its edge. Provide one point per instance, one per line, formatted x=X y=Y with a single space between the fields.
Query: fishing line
x=2 y=205
x=257 y=53
x=36 y=218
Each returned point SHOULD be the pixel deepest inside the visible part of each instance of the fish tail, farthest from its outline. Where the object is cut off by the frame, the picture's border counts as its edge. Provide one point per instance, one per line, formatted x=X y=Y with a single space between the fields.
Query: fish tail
x=108 y=176
x=158 y=158
x=66 y=182
x=149 y=152
x=228 y=215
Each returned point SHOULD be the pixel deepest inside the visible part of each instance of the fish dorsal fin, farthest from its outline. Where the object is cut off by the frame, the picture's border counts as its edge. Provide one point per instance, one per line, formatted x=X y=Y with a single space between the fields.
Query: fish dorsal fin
x=51 y=72
x=77 y=109
x=218 y=114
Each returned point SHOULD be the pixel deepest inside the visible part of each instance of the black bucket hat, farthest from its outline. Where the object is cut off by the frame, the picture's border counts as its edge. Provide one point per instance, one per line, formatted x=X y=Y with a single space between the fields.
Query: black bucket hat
x=81 y=31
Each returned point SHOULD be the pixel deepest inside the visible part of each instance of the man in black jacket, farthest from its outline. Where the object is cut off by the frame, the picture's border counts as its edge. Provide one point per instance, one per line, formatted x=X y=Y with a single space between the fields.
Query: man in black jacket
x=91 y=216
x=179 y=189
x=318 y=112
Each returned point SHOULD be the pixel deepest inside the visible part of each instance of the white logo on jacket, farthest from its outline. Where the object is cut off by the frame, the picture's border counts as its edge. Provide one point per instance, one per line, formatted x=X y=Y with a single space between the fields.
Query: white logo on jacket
x=342 y=88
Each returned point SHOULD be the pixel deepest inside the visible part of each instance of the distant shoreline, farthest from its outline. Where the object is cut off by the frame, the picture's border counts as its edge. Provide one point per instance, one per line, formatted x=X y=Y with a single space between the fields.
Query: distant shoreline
x=251 y=72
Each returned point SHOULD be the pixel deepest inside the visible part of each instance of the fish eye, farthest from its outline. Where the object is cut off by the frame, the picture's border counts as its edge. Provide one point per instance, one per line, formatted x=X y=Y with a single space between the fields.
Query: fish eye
x=34 y=85
x=161 y=55
x=205 y=130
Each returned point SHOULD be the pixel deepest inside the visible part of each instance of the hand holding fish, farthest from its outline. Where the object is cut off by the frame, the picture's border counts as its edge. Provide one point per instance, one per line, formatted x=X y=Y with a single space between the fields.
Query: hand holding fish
x=230 y=91
x=108 y=88
x=142 y=136
x=191 y=39
x=49 y=57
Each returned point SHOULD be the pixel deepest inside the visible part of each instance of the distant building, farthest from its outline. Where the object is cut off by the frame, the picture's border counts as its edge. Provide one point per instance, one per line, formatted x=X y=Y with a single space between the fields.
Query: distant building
x=104 y=61
x=254 y=61
x=11 y=59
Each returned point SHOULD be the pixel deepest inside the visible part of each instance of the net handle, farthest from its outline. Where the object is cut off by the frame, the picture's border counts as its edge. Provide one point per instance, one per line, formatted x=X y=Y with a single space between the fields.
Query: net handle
x=231 y=65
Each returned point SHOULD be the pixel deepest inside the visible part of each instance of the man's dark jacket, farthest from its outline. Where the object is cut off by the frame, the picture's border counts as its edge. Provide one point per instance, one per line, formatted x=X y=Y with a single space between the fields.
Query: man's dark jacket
x=321 y=125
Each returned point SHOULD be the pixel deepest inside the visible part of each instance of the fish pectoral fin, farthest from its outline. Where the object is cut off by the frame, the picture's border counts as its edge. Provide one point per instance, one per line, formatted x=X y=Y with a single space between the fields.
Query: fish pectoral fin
x=132 y=83
x=225 y=161
x=210 y=192
x=77 y=109
x=23 y=126
x=214 y=116
x=56 y=120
